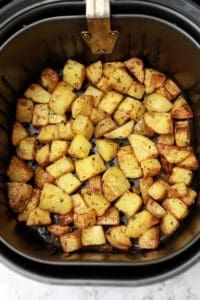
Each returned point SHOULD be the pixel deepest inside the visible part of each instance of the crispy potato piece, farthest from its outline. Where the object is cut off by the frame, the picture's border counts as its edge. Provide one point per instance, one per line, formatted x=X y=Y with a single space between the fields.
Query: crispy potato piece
x=169 y=89
x=121 y=80
x=136 y=90
x=42 y=155
x=128 y=162
x=181 y=109
x=169 y=224
x=150 y=167
x=110 y=101
x=55 y=200
x=41 y=177
x=137 y=111
x=167 y=167
x=190 y=162
x=68 y=183
x=82 y=105
x=95 y=201
x=40 y=115
x=104 y=126
x=58 y=230
x=74 y=73
x=114 y=183
x=145 y=183
x=32 y=204
x=143 y=147
x=85 y=218
x=18 y=133
x=83 y=125
x=95 y=184
x=71 y=241
x=65 y=219
x=104 y=84
x=173 y=154
x=61 y=99
x=161 y=123
x=157 y=103
x=110 y=67
x=121 y=132
x=97 y=115
x=106 y=148
x=122 y=114
x=129 y=203
x=93 y=235
x=149 y=239
x=95 y=93
x=38 y=217
x=158 y=190
x=155 y=208
x=58 y=150
x=60 y=167
x=94 y=72
x=182 y=133
x=177 y=190
x=18 y=170
x=166 y=139
x=18 y=195
x=116 y=236
x=48 y=133
x=24 y=110
x=80 y=147
x=140 y=223
x=136 y=67
x=78 y=203
x=142 y=128
x=55 y=118
x=176 y=207
x=89 y=167
x=180 y=175
x=110 y=217
x=153 y=80
x=65 y=131
x=37 y=94
x=26 y=149
x=189 y=199
x=49 y=79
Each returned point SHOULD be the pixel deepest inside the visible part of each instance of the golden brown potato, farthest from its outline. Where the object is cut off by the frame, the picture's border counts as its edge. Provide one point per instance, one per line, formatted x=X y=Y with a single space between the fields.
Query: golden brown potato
x=149 y=239
x=129 y=203
x=18 y=195
x=121 y=132
x=60 y=167
x=169 y=224
x=177 y=190
x=136 y=67
x=169 y=89
x=93 y=235
x=97 y=115
x=85 y=218
x=65 y=219
x=104 y=126
x=37 y=94
x=68 y=183
x=74 y=73
x=58 y=150
x=49 y=79
x=110 y=101
x=150 y=167
x=176 y=207
x=173 y=154
x=143 y=147
x=166 y=166
x=71 y=241
x=155 y=208
x=106 y=148
x=181 y=175
x=95 y=93
x=166 y=139
x=189 y=199
x=142 y=129
x=181 y=109
x=157 y=103
x=182 y=133
x=42 y=155
x=78 y=203
x=137 y=111
x=114 y=183
x=18 y=133
x=116 y=236
x=18 y=170
x=58 y=230
x=41 y=177
x=110 y=217
x=95 y=201
x=110 y=67
x=24 y=110
x=104 y=84
x=95 y=184
x=82 y=105
x=122 y=114
x=94 y=72
x=121 y=80
x=158 y=190
x=55 y=118
x=83 y=125
x=153 y=80
x=26 y=149
x=40 y=115
x=32 y=204
x=145 y=183
x=65 y=131
x=161 y=123
x=190 y=162
x=38 y=217
x=48 y=134
x=80 y=147
x=136 y=90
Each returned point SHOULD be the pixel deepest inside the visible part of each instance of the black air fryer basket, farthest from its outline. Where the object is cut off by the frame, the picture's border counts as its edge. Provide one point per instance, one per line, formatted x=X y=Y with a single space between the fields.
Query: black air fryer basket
x=35 y=34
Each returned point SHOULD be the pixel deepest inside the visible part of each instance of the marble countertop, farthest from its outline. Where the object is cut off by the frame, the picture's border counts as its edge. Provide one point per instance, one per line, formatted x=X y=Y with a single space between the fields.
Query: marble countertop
x=183 y=287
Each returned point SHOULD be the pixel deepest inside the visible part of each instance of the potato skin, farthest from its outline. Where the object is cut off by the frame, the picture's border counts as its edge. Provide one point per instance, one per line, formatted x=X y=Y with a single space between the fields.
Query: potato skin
x=18 y=170
x=19 y=194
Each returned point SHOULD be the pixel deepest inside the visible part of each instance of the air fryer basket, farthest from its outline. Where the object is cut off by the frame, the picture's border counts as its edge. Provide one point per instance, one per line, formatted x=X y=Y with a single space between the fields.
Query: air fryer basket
x=49 y=42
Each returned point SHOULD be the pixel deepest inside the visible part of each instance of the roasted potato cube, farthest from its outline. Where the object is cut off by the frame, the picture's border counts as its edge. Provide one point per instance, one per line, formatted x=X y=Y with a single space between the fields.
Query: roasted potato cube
x=161 y=123
x=173 y=154
x=71 y=241
x=78 y=203
x=48 y=134
x=55 y=118
x=79 y=147
x=65 y=131
x=114 y=183
x=180 y=175
x=41 y=177
x=18 y=170
x=122 y=114
x=95 y=201
x=18 y=133
x=158 y=190
x=149 y=239
x=137 y=110
x=40 y=115
x=190 y=162
x=136 y=90
x=37 y=94
x=94 y=72
x=169 y=89
x=110 y=217
x=60 y=167
x=104 y=84
x=182 y=133
x=110 y=101
x=58 y=150
x=153 y=80
x=32 y=204
x=145 y=183
x=143 y=147
x=150 y=167
x=176 y=207
x=89 y=167
x=129 y=203
x=74 y=73
x=110 y=67
x=121 y=80
x=106 y=148
x=121 y=132
x=142 y=128
x=157 y=103
x=93 y=235
x=181 y=109
x=58 y=230
x=117 y=238
x=82 y=105
x=166 y=166
x=18 y=195
x=49 y=79
x=140 y=223
x=95 y=93
x=26 y=148
x=104 y=126
x=68 y=183
x=189 y=199
x=85 y=218
x=169 y=224
x=83 y=125
x=61 y=99
x=97 y=115
x=166 y=139
x=38 y=217
x=136 y=67
x=177 y=190
x=155 y=208
x=65 y=219
x=128 y=162
x=55 y=200
x=95 y=184
x=42 y=155
x=24 y=110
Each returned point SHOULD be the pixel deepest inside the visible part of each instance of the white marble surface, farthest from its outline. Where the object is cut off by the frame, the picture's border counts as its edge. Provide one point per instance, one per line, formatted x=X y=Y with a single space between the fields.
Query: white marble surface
x=182 y=287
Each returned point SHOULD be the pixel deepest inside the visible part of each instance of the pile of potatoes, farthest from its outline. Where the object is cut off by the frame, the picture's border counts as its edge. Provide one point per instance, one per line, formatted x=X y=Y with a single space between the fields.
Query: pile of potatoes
x=83 y=174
